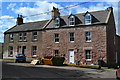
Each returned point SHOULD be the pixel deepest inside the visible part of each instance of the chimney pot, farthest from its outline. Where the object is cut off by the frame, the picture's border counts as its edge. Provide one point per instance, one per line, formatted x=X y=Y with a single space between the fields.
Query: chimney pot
x=19 y=20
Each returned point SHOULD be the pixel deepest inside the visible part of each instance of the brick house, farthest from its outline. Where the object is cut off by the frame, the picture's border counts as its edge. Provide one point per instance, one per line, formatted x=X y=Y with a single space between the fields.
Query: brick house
x=89 y=37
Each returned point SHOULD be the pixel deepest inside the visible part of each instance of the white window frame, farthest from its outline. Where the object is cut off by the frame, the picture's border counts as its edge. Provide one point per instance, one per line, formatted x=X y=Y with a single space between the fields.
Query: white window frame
x=88 y=19
x=71 y=36
x=56 y=52
x=34 y=36
x=24 y=36
x=56 y=38
x=88 y=36
x=71 y=20
x=11 y=37
x=34 y=51
x=20 y=36
x=88 y=54
x=57 y=22
x=10 y=50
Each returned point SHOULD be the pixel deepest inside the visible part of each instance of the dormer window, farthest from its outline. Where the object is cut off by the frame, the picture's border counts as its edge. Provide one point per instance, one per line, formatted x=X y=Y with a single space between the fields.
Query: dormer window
x=57 y=22
x=88 y=19
x=71 y=21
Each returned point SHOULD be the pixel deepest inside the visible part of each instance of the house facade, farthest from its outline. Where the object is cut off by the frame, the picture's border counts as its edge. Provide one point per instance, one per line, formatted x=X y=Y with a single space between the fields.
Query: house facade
x=88 y=37
x=1 y=49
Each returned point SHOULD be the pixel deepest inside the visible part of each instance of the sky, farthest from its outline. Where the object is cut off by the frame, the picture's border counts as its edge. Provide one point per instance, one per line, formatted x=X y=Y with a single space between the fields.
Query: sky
x=10 y=9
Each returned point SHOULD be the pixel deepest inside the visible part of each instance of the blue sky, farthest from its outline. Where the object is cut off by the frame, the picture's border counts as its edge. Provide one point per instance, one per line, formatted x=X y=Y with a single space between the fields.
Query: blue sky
x=10 y=10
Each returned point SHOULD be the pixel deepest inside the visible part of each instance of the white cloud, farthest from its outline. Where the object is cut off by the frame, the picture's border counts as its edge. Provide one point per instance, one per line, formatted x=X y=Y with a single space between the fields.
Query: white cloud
x=40 y=7
x=5 y=24
x=11 y=6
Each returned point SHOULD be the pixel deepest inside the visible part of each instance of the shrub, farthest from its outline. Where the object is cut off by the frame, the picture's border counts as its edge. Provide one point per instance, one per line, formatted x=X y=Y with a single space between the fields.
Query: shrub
x=57 y=60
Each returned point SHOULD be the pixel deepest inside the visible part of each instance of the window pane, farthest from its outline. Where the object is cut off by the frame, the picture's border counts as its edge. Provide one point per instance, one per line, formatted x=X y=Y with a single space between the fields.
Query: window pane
x=10 y=51
x=71 y=36
x=88 y=54
x=11 y=37
x=34 y=36
x=88 y=19
x=20 y=36
x=56 y=52
x=25 y=36
x=88 y=36
x=34 y=49
x=56 y=37
x=57 y=22
x=72 y=21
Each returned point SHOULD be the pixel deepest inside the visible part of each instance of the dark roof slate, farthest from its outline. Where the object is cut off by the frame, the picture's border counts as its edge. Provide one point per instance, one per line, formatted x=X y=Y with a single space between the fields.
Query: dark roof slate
x=28 y=26
x=98 y=17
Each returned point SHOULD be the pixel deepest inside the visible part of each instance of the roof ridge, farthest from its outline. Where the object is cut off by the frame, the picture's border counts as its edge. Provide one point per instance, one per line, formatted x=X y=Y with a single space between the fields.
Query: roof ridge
x=36 y=21
x=85 y=12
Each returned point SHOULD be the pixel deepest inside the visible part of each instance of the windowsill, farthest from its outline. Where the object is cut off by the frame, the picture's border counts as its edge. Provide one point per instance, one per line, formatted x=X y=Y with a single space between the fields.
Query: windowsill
x=88 y=59
x=34 y=40
x=56 y=42
x=88 y=41
x=22 y=41
x=72 y=41
x=88 y=24
x=71 y=25
x=34 y=56
x=10 y=55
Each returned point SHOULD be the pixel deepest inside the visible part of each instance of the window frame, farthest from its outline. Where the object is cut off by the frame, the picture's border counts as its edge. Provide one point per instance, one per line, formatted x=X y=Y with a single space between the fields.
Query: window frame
x=71 y=38
x=34 y=51
x=25 y=36
x=56 y=50
x=88 y=36
x=57 y=22
x=10 y=50
x=11 y=39
x=88 y=20
x=88 y=55
x=20 y=36
x=56 y=37
x=33 y=36
x=72 y=20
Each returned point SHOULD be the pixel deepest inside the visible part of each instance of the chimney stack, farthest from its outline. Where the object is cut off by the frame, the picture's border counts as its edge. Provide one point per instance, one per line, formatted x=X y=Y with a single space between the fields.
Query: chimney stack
x=110 y=9
x=19 y=20
x=55 y=13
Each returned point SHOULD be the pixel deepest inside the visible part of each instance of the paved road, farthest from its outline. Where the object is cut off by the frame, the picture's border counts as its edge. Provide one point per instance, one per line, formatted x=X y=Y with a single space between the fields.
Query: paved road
x=25 y=71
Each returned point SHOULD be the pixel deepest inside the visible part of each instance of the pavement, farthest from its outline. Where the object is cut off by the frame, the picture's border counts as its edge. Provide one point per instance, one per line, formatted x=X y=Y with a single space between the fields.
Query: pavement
x=45 y=72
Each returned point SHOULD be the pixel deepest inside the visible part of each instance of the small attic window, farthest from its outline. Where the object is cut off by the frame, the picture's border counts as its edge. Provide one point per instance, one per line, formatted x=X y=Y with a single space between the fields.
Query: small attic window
x=57 y=22
x=88 y=19
x=71 y=21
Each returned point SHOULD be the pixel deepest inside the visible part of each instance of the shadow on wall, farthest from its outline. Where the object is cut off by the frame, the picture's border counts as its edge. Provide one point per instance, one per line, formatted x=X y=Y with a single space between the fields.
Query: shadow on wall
x=102 y=63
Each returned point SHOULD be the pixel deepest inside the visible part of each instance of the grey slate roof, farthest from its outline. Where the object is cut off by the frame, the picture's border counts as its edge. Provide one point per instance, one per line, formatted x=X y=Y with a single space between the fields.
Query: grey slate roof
x=98 y=17
x=28 y=26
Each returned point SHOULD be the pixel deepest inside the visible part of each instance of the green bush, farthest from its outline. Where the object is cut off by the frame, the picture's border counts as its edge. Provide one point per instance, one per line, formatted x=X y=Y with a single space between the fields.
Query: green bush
x=57 y=60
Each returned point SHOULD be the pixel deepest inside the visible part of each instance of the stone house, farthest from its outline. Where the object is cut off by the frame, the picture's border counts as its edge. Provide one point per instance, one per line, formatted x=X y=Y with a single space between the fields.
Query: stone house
x=89 y=37
x=1 y=49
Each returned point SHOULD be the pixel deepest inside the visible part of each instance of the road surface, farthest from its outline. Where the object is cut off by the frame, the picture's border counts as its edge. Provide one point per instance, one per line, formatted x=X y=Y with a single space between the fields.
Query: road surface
x=26 y=71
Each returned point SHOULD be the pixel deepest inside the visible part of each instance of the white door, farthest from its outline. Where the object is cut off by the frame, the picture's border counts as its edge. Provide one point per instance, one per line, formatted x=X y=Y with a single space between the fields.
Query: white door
x=71 y=56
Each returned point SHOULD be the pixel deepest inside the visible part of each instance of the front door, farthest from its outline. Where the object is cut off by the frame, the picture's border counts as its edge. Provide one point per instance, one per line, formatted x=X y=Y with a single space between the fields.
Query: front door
x=71 y=56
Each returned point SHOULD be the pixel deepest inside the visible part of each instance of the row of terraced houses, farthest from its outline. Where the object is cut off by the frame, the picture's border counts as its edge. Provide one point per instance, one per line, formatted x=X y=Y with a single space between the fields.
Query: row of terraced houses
x=89 y=36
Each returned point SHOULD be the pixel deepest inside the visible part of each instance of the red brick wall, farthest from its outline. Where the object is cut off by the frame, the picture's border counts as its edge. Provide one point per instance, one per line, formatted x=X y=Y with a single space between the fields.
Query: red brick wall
x=97 y=46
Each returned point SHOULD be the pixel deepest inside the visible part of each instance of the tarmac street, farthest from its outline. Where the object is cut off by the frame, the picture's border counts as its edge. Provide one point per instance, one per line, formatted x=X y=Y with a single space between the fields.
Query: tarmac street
x=26 y=71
